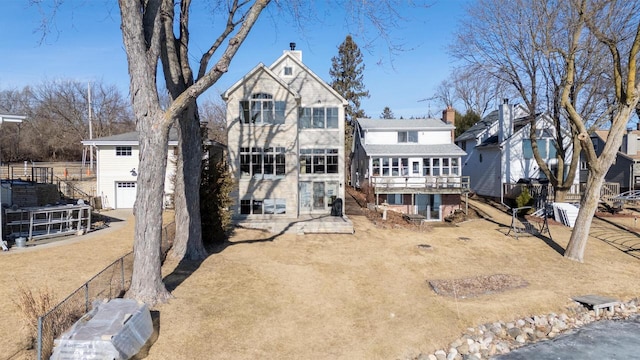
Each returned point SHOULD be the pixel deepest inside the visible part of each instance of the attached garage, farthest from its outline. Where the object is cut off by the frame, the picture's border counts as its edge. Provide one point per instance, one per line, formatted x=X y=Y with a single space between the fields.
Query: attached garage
x=125 y=194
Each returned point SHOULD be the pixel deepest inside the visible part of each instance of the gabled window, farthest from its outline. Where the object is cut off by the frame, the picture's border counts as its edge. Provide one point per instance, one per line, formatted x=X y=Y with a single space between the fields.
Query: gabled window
x=262 y=109
x=318 y=118
x=288 y=71
x=407 y=137
x=123 y=150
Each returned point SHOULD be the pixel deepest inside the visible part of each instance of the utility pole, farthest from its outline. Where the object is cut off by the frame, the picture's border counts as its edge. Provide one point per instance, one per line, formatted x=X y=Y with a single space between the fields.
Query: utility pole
x=90 y=127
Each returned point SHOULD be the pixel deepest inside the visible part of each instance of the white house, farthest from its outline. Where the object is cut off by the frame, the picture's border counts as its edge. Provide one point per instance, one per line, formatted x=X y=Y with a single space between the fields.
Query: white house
x=499 y=149
x=285 y=144
x=412 y=165
x=117 y=160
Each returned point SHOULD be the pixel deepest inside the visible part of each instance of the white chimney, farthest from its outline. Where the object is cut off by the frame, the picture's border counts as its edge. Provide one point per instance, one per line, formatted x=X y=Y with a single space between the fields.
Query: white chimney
x=505 y=121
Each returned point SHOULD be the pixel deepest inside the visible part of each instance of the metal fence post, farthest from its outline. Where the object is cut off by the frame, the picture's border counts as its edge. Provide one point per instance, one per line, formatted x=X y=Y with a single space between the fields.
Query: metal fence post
x=86 y=297
x=122 y=273
x=39 y=345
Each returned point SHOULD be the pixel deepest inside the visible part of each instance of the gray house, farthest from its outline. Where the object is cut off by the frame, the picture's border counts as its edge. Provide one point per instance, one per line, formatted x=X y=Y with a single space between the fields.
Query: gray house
x=625 y=171
x=286 y=148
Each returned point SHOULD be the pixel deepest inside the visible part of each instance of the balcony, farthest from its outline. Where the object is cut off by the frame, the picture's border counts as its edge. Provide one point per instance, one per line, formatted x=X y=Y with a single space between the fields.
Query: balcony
x=420 y=185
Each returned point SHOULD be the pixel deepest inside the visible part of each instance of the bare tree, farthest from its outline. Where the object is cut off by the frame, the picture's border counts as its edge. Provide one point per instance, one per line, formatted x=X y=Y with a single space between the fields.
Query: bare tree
x=213 y=114
x=444 y=93
x=58 y=119
x=148 y=34
x=616 y=26
x=517 y=44
x=477 y=90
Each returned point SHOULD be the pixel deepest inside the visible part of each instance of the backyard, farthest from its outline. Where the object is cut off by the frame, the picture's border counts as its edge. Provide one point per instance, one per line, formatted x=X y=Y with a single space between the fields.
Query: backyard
x=361 y=296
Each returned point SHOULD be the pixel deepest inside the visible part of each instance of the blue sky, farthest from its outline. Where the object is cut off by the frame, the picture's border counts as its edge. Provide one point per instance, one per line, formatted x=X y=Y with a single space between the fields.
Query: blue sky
x=85 y=44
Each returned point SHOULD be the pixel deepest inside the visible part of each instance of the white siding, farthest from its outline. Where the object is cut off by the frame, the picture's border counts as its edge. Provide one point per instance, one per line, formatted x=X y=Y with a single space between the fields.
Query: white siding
x=112 y=169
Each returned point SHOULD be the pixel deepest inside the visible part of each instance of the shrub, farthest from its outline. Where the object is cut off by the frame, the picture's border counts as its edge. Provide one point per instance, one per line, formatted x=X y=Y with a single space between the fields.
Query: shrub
x=524 y=199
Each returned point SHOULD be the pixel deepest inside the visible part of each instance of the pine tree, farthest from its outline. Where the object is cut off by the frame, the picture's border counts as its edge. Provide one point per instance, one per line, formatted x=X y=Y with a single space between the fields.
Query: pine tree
x=387 y=113
x=347 y=79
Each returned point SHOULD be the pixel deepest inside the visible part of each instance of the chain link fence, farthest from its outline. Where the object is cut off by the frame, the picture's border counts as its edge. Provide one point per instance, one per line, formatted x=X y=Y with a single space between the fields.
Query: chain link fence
x=110 y=283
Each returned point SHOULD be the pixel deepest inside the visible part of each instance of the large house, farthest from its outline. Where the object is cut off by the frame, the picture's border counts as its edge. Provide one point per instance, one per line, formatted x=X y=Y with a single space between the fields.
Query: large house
x=285 y=144
x=412 y=166
x=499 y=151
x=117 y=160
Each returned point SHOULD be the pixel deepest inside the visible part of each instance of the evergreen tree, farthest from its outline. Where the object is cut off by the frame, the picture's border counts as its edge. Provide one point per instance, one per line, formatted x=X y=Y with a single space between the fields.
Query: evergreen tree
x=464 y=122
x=387 y=113
x=347 y=79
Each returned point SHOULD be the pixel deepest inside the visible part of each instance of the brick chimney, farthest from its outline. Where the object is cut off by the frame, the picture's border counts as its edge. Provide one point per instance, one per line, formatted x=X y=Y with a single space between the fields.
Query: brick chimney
x=449 y=117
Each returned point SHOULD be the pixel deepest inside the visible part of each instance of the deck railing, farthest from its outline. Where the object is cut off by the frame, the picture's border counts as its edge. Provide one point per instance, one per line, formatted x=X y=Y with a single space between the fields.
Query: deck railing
x=421 y=182
x=607 y=192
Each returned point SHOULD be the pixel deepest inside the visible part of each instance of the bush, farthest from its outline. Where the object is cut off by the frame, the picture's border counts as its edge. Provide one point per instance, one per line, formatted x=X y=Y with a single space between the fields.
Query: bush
x=524 y=199
x=35 y=304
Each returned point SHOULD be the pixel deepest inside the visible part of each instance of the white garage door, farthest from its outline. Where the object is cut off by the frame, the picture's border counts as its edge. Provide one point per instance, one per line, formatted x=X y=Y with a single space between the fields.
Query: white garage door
x=125 y=194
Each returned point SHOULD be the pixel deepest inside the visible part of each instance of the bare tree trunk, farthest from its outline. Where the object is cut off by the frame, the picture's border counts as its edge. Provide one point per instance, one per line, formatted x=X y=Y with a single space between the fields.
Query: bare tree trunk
x=560 y=194
x=588 y=205
x=153 y=131
x=146 y=281
x=188 y=243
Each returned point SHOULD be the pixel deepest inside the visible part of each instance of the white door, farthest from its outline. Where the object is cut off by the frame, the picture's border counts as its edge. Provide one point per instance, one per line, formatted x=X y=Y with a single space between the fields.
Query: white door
x=125 y=194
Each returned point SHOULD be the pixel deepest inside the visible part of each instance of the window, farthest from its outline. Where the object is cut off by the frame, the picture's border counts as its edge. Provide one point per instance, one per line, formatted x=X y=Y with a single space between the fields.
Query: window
x=264 y=206
x=426 y=167
x=546 y=149
x=584 y=165
x=392 y=166
x=407 y=136
x=455 y=167
x=288 y=71
x=318 y=161
x=394 y=199
x=436 y=167
x=527 y=151
x=259 y=163
x=261 y=109
x=123 y=150
x=318 y=118
x=445 y=167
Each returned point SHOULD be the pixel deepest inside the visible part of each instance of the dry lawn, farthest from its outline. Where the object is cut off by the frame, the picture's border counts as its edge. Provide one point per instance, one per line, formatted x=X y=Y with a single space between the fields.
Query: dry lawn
x=361 y=296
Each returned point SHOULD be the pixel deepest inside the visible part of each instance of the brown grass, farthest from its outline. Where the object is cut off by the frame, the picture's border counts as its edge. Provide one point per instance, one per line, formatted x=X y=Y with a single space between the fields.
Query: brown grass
x=361 y=296
x=34 y=304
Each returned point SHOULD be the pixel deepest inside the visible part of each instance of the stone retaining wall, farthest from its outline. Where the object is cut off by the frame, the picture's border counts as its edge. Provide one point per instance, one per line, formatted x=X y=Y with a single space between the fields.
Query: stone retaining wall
x=499 y=338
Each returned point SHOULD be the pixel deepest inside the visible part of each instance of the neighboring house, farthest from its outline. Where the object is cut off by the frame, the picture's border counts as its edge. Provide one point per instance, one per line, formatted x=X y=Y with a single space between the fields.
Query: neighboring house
x=626 y=168
x=411 y=165
x=499 y=151
x=117 y=160
x=285 y=144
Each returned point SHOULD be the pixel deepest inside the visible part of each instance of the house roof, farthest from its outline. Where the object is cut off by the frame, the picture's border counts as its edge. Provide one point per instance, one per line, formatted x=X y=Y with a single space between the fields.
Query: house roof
x=486 y=122
x=259 y=68
x=11 y=118
x=414 y=150
x=130 y=138
x=295 y=56
x=404 y=124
